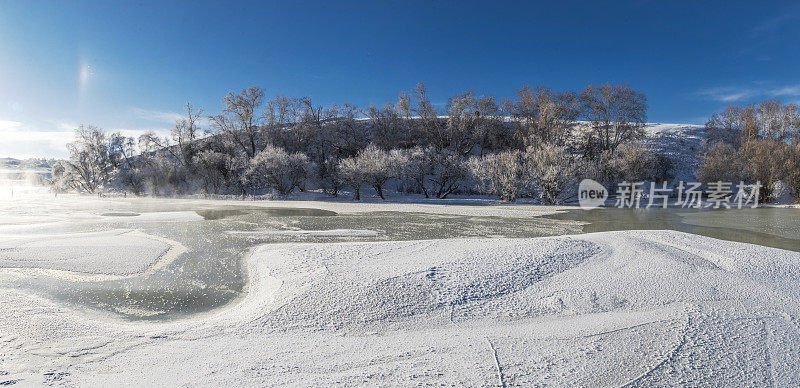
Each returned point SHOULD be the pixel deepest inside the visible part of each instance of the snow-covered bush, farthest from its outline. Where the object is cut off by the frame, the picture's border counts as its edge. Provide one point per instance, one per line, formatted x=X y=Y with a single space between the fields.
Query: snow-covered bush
x=275 y=168
x=213 y=168
x=448 y=171
x=372 y=166
x=415 y=167
x=632 y=162
x=551 y=170
x=498 y=174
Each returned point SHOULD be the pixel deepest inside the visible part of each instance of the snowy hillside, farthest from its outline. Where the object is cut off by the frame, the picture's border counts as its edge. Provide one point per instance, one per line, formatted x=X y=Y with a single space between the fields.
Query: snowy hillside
x=682 y=143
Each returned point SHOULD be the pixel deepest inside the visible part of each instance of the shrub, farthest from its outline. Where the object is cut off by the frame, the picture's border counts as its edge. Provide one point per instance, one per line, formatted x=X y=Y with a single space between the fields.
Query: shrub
x=551 y=170
x=498 y=173
x=275 y=168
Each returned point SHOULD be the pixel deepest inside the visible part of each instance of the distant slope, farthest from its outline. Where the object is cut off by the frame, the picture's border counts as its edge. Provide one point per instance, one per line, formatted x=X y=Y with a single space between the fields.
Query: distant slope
x=681 y=143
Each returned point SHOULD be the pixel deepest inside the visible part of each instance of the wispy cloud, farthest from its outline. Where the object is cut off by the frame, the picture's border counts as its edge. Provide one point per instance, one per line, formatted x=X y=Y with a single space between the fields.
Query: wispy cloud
x=726 y=94
x=789 y=93
x=136 y=132
x=156 y=115
x=786 y=17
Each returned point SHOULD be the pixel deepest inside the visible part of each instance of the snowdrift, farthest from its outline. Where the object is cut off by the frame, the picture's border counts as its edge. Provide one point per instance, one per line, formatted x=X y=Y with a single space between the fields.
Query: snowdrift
x=636 y=307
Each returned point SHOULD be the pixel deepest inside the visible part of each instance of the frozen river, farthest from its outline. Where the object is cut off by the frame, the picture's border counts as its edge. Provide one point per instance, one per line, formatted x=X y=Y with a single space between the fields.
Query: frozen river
x=210 y=239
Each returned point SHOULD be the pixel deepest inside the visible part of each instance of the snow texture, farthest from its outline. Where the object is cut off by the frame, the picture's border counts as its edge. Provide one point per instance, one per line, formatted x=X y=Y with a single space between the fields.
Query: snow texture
x=97 y=256
x=645 y=308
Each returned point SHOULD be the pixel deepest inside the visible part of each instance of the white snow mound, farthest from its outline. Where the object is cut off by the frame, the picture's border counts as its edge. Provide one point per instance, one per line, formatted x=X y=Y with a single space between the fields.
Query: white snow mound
x=649 y=308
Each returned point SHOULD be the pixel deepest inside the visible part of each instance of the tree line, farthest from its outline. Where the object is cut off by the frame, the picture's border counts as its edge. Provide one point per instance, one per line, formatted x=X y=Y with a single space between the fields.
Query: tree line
x=538 y=143
x=754 y=142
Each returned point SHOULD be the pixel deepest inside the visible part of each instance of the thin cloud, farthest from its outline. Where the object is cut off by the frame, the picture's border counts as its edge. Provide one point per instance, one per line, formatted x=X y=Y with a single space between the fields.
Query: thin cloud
x=787 y=17
x=788 y=91
x=764 y=91
x=726 y=94
x=157 y=115
x=135 y=133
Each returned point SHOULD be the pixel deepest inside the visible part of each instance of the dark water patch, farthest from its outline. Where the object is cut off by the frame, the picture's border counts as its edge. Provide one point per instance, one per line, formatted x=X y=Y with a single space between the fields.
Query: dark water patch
x=218 y=214
x=771 y=227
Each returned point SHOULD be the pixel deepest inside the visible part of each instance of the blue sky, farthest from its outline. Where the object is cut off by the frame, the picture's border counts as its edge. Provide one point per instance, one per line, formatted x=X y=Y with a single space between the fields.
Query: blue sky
x=132 y=65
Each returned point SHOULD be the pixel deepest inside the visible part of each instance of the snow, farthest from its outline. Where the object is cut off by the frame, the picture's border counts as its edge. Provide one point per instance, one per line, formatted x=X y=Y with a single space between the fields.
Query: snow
x=682 y=143
x=95 y=256
x=640 y=307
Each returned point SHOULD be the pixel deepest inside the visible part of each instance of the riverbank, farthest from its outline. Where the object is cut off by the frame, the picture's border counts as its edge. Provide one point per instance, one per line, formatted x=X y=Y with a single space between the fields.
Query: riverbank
x=648 y=307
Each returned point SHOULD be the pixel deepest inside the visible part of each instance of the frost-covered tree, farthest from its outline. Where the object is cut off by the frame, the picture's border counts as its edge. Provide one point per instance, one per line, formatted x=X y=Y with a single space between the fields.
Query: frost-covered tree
x=90 y=163
x=184 y=135
x=416 y=166
x=240 y=120
x=448 y=171
x=498 y=174
x=161 y=166
x=631 y=162
x=372 y=166
x=352 y=174
x=121 y=150
x=792 y=170
x=388 y=128
x=275 y=168
x=550 y=170
x=213 y=168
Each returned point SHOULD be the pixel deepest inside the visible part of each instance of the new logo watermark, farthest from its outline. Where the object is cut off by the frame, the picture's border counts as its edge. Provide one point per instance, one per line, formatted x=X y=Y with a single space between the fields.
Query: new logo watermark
x=591 y=194
x=716 y=195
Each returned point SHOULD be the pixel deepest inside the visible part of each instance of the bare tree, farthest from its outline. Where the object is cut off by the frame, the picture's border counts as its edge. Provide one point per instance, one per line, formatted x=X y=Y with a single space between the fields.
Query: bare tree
x=240 y=119
x=617 y=114
x=771 y=119
x=184 y=133
x=546 y=115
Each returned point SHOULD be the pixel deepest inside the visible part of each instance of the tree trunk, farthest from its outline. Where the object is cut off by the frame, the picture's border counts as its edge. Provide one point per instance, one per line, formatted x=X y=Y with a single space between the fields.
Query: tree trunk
x=379 y=189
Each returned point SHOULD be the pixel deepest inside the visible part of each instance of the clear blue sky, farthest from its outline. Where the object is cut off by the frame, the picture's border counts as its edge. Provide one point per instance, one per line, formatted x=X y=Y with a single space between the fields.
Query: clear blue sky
x=132 y=65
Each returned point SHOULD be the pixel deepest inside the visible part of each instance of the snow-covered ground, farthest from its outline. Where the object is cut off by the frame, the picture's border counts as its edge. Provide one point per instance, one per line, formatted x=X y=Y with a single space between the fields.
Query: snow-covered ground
x=95 y=256
x=644 y=307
